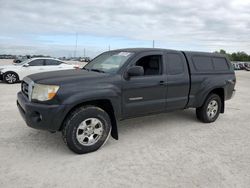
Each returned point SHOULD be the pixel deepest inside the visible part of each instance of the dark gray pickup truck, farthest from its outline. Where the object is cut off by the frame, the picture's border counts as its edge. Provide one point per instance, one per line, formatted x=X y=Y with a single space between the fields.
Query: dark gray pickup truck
x=86 y=104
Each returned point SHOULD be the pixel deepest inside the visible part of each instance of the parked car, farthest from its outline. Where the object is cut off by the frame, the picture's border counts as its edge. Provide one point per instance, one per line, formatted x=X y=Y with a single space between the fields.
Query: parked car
x=242 y=66
x=20 y=59
x=85 y=59
x=14 y=73
x=247 y=66
x=86 y=104
x=236 y=66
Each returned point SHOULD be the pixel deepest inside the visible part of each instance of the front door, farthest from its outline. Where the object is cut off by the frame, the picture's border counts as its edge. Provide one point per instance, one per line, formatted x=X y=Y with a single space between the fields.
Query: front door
x=145 y=94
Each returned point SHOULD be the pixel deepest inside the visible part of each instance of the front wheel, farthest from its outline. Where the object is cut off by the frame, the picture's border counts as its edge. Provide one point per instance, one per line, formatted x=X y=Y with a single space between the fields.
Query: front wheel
x=210 y=110
x=86 y=129
x=10 y=77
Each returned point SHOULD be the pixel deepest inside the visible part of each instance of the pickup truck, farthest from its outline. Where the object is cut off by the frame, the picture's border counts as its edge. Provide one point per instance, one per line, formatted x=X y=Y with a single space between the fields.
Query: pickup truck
x=86 y=104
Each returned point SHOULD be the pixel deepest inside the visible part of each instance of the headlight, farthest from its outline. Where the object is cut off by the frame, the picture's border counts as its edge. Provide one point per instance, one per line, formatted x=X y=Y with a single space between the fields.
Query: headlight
x=44 y=92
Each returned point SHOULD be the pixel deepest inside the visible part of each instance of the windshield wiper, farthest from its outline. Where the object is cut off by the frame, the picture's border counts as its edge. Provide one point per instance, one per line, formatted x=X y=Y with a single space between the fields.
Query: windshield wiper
x=85 y=69
x=97 y=70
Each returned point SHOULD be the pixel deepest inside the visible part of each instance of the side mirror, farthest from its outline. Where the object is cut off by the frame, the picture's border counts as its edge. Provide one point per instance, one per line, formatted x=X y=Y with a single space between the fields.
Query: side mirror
x=25 y=65
x=135 y=71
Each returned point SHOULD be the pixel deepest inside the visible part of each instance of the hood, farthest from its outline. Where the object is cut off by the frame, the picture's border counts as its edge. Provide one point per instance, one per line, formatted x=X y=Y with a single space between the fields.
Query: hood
x=66 y=76
x=8 y=66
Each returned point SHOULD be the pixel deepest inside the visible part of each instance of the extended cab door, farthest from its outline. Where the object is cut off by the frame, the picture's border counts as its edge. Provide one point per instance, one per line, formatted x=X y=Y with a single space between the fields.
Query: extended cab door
x=145 y=94
x=178 y=82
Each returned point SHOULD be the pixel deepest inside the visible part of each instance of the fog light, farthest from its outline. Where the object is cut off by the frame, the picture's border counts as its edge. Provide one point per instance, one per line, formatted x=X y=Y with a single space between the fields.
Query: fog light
x=36 y=116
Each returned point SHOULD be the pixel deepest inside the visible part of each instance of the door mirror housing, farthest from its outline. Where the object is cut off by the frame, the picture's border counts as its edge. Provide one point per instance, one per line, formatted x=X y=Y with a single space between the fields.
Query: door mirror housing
x=26 y=65
x=135 y=71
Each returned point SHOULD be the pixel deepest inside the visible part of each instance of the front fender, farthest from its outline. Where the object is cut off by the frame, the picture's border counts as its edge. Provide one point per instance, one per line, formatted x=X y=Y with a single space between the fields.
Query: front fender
x=82 y=97
x=92 y=95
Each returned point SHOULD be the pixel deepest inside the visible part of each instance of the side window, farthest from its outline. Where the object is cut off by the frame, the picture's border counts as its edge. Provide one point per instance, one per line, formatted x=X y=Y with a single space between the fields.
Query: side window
x=175 y=64
x=203 y=63
x=152 y=64
x=37 y=62
x=52 y=62
x=220 y=64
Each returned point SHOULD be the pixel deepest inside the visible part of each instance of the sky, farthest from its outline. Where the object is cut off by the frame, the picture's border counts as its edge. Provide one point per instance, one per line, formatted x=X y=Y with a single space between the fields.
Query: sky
x=50 y=27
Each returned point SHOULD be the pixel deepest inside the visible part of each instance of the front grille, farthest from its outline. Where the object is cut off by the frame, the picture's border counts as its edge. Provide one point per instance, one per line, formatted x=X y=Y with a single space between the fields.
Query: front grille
x=25 y=88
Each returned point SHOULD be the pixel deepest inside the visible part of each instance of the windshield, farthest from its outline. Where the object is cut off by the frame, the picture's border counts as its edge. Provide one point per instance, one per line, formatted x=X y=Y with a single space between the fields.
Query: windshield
x=109 y=62
x=24 y=62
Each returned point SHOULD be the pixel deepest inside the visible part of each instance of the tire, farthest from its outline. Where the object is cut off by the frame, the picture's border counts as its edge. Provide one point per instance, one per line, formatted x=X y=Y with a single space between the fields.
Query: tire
x=10 y=77
x=86 y=129
x=210 y=110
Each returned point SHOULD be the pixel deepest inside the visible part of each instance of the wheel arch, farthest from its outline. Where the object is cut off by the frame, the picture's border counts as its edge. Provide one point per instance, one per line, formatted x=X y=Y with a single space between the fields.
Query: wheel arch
x=104 y=104
x=221 y=93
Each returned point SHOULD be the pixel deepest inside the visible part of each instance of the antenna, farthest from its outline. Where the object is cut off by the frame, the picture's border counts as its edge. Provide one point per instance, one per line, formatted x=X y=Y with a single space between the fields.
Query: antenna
x=76 y=45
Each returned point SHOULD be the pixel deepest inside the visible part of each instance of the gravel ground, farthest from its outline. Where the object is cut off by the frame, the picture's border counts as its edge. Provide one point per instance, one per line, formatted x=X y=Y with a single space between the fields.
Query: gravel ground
x=166 y=150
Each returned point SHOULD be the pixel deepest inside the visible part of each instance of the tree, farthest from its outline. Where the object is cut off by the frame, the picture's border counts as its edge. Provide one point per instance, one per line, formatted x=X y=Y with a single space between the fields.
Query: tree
x=222 y=51
x=236 y=56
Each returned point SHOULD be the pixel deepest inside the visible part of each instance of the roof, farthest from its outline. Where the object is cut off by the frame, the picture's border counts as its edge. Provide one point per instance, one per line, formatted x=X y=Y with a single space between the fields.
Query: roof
x=45 y=58
x=204 y=53
x=136 y=50
x=141 y=49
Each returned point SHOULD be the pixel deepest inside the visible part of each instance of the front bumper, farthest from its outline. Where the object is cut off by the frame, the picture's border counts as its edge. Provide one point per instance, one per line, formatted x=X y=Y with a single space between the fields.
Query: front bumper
x=41 y=116
x=1 y=76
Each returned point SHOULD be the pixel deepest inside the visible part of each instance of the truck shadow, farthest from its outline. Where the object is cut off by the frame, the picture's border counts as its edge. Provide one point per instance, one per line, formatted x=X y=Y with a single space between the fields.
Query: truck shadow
x=47 y=142
x=168 y=120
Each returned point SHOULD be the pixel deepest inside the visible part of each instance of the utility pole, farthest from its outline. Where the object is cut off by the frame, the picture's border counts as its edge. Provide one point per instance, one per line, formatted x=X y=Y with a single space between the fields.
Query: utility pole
x=109 y=47
x=84 y=53
x=76 y=45
x=153 y=43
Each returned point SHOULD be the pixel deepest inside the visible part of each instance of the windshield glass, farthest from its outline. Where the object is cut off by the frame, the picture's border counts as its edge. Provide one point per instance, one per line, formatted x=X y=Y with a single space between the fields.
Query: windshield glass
x=109 y=62
x=24 y=62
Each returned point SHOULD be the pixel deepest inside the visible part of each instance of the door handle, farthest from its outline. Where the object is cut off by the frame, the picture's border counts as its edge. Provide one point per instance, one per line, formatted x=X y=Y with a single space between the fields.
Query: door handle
x=162 y=82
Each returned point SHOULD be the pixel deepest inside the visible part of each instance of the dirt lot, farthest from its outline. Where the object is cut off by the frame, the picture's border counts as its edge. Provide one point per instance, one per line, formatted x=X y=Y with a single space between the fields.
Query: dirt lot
x=166 y=150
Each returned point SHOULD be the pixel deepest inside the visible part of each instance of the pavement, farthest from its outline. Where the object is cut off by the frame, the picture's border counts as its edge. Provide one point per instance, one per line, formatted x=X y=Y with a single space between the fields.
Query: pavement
x=165 y=150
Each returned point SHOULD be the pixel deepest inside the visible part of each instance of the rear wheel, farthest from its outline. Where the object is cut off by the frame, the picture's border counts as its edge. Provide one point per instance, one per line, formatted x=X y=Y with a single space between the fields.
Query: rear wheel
x=10 y=77
x=86 y=129
x=210 y=110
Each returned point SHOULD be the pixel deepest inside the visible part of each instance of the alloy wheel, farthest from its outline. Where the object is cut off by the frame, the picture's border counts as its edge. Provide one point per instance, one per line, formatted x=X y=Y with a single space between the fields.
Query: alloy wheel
x=89 y=131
